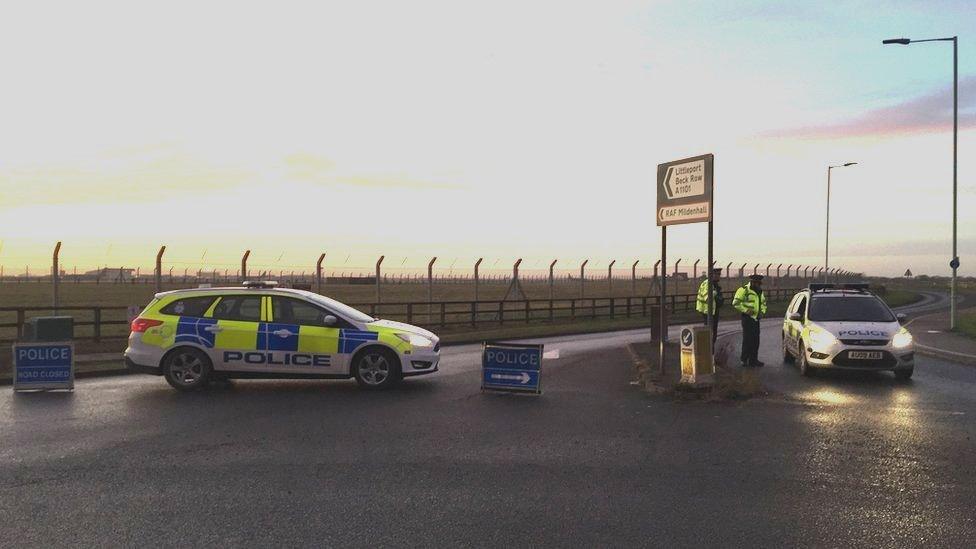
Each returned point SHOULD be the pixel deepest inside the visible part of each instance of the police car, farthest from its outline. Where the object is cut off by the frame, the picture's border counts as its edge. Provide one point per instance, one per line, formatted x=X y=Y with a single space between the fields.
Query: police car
x=846 y=327
x=258 y=330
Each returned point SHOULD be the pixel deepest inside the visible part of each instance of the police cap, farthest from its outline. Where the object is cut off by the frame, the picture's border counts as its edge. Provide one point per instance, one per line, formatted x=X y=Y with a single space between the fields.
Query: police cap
x=756 y=277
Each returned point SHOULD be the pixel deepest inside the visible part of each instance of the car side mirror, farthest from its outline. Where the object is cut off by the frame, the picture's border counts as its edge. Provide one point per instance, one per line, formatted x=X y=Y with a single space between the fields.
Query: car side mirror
x=901 y=317
x=330 y=320
x=796 y=317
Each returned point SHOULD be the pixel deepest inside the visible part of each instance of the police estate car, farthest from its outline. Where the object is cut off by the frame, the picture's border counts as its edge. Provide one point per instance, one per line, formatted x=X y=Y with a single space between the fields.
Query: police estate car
x=259 y=330
x=846 y=327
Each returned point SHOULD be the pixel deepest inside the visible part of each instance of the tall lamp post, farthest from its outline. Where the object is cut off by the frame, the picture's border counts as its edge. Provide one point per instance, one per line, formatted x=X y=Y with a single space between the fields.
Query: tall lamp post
x=827 y=238
x=954 y=262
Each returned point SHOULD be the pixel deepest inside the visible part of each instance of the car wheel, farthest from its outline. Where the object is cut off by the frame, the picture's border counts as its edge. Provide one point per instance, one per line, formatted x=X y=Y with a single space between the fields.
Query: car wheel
x=801 y=361
x=904 y=375
x=376 y=368
x=787 y=355
x=187 y=369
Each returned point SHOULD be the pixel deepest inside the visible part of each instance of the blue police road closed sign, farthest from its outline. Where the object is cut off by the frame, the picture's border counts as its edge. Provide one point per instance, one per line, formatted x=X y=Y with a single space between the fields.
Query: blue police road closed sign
x=44 y=366
x=511 y=367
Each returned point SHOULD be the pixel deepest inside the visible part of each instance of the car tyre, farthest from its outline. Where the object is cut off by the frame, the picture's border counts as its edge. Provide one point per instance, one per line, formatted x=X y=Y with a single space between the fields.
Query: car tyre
x=787 y=355
x=905 y=374
x=187 y=369
x=801 y=361
x=376 y=369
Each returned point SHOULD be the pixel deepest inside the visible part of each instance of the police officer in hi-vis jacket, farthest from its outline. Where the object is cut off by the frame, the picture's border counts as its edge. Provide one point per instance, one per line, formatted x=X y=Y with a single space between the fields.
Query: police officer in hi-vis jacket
x=717 y=301
x=750 y=301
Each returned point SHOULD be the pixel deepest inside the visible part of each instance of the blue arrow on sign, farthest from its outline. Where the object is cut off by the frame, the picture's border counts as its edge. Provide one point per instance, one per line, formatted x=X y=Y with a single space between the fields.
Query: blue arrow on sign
x=512 y=367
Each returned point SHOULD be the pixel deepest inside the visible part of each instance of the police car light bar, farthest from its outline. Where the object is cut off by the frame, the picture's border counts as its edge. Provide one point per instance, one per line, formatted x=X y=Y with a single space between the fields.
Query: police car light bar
x=847 y=286
x=260 y=283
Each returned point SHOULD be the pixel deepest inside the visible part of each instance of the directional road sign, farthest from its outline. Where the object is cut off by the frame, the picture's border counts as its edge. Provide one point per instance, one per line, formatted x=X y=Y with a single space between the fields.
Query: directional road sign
x=684 y=190
x=511 y=367
x=44 y=366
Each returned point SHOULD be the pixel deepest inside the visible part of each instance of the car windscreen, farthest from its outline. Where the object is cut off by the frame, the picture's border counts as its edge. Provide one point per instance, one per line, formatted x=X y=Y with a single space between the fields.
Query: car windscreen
x=849 y=309
x=340 y=308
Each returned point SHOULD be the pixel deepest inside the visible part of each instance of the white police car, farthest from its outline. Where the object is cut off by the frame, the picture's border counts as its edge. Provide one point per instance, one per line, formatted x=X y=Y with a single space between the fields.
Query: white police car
x=846 y=327
x=259 y=330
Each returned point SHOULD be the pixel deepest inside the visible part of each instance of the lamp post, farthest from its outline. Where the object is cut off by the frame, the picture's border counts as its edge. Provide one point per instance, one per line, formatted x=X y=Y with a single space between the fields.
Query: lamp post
x=827 y=238
x=954 y=262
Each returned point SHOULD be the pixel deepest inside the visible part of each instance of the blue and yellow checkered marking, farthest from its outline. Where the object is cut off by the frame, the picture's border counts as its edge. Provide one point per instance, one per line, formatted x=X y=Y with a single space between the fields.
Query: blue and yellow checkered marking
x=191 y=330
x=269 y=341
x=350 y=340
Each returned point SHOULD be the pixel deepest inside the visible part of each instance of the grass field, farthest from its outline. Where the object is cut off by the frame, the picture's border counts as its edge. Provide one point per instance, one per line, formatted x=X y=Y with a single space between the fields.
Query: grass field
x=40 y=294
x=31 y=294
x=966 y=323
x=900 y=298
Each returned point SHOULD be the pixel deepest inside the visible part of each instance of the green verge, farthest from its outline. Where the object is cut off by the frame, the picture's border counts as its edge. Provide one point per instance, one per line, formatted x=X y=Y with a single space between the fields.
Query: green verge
x=966 y=323
x=900 y=298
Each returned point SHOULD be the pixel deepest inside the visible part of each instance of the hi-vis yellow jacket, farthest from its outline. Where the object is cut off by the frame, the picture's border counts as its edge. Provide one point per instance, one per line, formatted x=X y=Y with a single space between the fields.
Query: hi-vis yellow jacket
x=702 y=304
x=749 y=302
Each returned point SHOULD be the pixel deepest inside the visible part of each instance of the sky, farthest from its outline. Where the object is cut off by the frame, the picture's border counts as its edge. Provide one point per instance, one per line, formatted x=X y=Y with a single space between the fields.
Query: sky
x=479 y=129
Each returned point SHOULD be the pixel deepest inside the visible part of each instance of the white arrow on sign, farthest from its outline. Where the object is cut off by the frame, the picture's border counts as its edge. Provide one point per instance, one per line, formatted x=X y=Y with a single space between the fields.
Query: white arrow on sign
x=523 y=377
x=684 y=180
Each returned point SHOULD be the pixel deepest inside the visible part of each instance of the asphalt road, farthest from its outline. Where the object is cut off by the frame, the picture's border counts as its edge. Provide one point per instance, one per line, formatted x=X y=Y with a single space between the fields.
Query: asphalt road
x=835 y=460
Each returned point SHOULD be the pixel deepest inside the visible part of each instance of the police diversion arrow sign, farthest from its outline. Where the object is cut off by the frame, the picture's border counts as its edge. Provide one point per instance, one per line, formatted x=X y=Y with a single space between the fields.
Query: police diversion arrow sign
x=684 y=191
x=511 y=367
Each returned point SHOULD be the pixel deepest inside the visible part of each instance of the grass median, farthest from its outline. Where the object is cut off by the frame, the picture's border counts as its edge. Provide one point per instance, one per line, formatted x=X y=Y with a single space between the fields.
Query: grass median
x=900 y=298
x=966 y=323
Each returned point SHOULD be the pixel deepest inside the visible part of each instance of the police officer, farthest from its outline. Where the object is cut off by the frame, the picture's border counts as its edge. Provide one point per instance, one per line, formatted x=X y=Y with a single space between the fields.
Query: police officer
x=750 y=301
x=717 y=300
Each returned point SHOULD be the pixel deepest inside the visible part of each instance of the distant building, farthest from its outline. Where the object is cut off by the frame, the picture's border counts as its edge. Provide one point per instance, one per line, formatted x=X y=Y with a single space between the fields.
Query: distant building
x=111 y=274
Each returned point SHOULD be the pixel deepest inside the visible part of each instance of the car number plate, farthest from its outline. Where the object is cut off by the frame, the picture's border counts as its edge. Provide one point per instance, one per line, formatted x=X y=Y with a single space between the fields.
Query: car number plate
x=865 y=355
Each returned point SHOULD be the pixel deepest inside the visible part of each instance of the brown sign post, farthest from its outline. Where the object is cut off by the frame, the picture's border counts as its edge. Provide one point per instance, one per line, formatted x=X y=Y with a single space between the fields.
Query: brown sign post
x=684 y=195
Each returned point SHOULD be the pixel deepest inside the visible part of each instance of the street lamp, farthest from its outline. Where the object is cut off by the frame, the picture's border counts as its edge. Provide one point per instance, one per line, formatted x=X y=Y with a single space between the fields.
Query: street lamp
x=954 y=262
x=827 y=239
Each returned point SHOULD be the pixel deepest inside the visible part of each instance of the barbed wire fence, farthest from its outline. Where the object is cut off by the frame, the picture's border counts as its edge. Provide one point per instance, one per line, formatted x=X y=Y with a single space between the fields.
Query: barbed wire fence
x=380 y=281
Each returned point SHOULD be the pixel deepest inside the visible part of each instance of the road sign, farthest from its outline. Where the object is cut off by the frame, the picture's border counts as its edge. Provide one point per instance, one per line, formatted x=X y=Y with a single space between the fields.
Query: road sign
x=684 y=190
x=697 y=367
x=511 y=367
x=44 y=366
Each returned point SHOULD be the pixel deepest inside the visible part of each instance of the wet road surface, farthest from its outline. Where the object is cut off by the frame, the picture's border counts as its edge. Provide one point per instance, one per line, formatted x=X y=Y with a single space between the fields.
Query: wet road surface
x=835 y=460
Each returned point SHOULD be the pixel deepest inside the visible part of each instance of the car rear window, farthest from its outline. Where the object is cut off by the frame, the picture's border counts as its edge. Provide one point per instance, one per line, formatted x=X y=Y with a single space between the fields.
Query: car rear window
x=849 y=309
x=189 y=306
x=239 y=307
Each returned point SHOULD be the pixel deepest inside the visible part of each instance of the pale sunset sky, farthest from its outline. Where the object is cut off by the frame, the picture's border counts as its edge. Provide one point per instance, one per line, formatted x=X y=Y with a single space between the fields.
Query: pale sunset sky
x=464 y=129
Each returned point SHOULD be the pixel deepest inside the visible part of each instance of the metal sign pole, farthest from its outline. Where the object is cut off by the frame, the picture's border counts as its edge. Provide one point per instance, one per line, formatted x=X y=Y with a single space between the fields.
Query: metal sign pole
x=710 y=176
x=662 y=328
x=708 y=277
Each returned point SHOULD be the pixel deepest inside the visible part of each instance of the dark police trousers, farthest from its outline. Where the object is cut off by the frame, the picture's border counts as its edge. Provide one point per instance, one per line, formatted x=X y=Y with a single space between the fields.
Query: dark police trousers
x=714 y=326
x=750 y=339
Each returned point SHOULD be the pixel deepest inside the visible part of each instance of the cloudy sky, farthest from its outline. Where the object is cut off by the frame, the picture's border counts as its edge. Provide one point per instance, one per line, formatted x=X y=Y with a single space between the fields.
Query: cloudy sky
x=465 y=129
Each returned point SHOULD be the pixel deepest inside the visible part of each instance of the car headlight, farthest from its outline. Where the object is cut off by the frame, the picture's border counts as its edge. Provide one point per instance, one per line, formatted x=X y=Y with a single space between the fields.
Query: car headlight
x=416 y=340
x=901 y=340
x=822 y=340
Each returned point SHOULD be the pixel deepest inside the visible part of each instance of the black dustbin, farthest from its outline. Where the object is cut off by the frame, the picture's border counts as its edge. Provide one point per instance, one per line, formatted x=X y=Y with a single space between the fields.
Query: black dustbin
x=50 y=328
